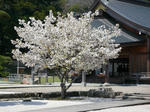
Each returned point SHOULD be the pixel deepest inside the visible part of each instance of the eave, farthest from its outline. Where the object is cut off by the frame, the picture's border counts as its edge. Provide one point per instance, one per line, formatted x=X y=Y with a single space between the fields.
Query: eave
x=123 y=18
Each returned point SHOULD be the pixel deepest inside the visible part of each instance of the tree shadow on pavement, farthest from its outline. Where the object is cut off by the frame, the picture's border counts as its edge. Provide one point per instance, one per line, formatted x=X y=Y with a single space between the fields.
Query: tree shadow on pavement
x=13 y=103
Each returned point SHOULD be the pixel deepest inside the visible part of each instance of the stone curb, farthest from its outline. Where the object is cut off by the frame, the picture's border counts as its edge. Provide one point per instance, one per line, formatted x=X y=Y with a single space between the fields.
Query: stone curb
x=26 y=86
x=74 y=84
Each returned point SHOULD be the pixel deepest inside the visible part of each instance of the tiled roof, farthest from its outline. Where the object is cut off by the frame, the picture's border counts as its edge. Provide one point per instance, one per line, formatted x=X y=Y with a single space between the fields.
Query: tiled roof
x=125 y=37
x=134 y=13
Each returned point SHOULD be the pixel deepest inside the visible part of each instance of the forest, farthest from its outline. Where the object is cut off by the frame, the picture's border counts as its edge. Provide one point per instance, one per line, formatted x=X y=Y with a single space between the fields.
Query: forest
x=10 y=12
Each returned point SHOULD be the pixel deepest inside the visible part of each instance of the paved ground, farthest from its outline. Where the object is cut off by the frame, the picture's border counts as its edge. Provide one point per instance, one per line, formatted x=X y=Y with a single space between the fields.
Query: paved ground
x=140 y=90
x=68 y=106
x=144 y=89
x=19 y=106
x=139 y=108
x=91 y=106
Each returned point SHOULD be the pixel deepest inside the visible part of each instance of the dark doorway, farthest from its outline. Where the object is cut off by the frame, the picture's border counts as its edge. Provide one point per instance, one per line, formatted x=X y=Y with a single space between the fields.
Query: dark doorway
x=118 y=70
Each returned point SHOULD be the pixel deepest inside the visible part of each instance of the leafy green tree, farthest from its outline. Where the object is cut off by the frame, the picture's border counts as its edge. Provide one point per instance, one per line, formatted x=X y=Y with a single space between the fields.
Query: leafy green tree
x=4 y=62
x=4 y=17
x=12 y=10
x=75 y=8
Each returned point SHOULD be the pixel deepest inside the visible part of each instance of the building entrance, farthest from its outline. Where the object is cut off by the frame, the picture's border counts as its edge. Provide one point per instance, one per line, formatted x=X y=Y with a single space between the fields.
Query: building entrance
x=119 y=67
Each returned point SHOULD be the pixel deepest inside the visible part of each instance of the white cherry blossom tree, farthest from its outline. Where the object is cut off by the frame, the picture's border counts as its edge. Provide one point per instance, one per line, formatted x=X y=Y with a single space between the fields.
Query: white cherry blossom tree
x=64 y=43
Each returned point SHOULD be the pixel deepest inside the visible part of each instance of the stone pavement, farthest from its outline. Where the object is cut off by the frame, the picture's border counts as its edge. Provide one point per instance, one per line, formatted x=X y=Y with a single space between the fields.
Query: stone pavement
x=136 y=108
x=130 y=91
x=138 y=91
x=143 y=89
x=93 y=106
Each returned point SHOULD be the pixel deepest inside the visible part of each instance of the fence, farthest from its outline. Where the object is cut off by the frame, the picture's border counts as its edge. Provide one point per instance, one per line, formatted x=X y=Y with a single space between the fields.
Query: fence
x=140 y=76
x=15 y=77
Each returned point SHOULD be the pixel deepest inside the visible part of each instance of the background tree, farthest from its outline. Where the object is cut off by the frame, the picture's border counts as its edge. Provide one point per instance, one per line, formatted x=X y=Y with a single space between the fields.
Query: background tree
x=64 y=44
x=4 y=60
x=75 y=8
x=4 y=64
x=78 y=6
x=4 y=18
x=12 y=10
x=21 y=9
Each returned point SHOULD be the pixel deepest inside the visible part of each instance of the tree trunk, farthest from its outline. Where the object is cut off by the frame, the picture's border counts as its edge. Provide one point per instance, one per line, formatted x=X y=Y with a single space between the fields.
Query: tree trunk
x=39 y=80
x=63 y=86
x=63 y=90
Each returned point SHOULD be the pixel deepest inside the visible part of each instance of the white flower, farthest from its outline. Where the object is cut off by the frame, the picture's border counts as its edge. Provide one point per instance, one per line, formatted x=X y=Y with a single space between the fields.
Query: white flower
x=65 y=42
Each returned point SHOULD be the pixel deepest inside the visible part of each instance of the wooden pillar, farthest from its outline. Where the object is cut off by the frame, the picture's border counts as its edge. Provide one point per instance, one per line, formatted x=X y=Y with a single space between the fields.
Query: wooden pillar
x=148 y=54
x=18 y=68
x=130 y=66
x=113 y=69
x=106 y=73
x=53 y=78
x=32 y=75
x=83 y=79
x=46 y=77
x=39 y=80
x=135 y=64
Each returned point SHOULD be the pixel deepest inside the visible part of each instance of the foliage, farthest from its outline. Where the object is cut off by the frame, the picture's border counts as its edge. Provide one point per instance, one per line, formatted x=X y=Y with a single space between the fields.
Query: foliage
x=50 y=79
x=4 y=17
x=77 y=8
x=4 y=61
x=13 y=10
x=64 y=43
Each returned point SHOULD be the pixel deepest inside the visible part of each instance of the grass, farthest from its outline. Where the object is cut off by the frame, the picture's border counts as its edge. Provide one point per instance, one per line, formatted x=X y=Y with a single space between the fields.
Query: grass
x=51 y=79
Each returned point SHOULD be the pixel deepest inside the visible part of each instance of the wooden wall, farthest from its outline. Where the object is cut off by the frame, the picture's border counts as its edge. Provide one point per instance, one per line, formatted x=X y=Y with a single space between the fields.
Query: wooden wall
x=137 y=56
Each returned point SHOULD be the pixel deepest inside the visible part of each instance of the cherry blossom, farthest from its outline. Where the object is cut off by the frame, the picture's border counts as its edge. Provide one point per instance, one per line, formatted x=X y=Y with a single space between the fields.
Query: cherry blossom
x=65 y=42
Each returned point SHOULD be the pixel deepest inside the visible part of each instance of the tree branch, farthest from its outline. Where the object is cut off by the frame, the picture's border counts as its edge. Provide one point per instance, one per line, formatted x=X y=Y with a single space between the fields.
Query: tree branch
x=71 y=82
